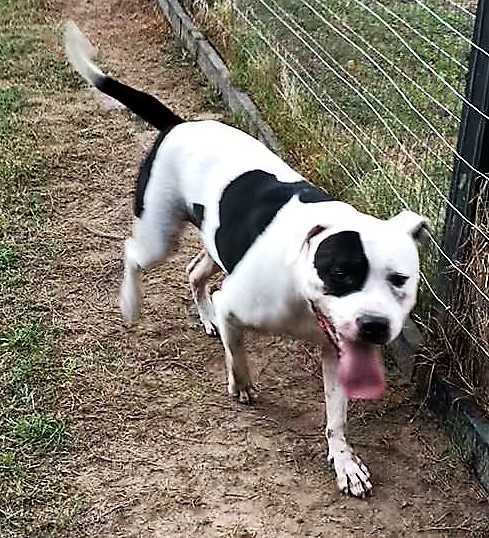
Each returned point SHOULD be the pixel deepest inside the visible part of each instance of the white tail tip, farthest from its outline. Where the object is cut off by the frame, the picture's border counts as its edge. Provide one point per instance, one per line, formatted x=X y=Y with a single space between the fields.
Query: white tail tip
x=80 y=52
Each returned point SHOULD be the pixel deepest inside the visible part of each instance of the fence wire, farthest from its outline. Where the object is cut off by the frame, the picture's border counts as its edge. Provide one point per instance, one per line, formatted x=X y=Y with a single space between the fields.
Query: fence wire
x=380 y=87
x=304 y=77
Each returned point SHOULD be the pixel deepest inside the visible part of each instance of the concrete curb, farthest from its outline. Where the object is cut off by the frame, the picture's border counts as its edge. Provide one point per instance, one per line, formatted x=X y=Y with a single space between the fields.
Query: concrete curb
x=216 y=72
x=470 y=430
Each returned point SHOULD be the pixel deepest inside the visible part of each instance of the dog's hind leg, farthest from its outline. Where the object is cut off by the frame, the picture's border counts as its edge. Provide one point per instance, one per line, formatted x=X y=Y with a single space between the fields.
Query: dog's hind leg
x=199 y=270
x=239 y=381
x=155 y=234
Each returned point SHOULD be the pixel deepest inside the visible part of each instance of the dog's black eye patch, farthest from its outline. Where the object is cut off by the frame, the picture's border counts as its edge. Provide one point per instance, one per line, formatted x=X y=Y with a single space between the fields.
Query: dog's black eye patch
x=341 y=263
x=397 y=280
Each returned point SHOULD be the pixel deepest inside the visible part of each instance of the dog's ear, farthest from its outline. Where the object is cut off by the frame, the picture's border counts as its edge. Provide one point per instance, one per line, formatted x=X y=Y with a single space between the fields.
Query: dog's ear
x=293 y=253
x=412 y=223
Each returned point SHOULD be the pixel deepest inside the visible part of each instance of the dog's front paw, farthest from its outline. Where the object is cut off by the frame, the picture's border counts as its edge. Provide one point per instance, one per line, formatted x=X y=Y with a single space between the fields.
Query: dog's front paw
x=352 y=475
x=244 y=393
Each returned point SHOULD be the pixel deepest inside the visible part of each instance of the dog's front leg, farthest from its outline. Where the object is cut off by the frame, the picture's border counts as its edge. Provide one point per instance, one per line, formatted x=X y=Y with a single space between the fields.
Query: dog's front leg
x=352 y=475
x=239 y=381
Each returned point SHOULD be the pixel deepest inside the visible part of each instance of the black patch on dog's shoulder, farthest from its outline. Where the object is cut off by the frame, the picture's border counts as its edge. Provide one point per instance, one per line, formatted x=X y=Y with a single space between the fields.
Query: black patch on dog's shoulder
x=249 y=204
x=197 y=215
x=145 y=172
x=341 y=263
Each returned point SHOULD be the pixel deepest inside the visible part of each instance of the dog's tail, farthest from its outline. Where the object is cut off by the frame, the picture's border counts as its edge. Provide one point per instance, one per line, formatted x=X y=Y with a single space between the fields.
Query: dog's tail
x=80 y=53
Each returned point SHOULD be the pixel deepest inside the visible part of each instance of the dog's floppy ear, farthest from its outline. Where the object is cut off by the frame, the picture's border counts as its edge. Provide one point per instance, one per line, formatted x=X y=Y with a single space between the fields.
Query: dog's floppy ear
x=293 y=253
x=412 y=223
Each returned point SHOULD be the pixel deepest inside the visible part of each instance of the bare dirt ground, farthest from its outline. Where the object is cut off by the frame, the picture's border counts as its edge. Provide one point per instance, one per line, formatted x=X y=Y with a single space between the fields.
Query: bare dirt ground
x=160 y=450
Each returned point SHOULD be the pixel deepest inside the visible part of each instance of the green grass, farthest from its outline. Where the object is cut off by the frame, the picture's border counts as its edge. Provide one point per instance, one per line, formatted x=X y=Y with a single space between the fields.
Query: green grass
x=8 y=258
x=12 y=101
x=364 y=29
x=38 y=431
x=28 y=374
x=34 y=430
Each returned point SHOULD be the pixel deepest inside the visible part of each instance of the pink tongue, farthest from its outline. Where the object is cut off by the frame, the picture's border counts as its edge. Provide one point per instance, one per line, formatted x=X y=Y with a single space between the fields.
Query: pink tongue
x=361 y=371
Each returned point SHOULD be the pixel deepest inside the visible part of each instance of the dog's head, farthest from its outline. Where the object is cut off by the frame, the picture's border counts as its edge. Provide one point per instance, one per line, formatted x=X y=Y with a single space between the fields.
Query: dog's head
x=360 y=278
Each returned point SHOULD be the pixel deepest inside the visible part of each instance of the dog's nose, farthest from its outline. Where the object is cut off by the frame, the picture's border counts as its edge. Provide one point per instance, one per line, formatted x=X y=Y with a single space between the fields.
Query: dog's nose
x=373 y=329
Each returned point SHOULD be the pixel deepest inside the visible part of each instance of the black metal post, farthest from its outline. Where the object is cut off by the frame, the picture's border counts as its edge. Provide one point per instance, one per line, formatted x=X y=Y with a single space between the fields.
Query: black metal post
x=468 y=186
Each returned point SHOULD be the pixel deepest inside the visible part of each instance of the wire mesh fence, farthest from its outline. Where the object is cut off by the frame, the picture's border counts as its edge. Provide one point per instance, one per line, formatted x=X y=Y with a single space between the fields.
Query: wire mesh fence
x=368 y=97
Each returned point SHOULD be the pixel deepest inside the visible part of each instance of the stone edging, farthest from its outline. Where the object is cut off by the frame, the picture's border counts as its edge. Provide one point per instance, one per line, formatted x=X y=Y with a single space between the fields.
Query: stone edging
x=469 y=429
x=466 y=424
x=216 y=72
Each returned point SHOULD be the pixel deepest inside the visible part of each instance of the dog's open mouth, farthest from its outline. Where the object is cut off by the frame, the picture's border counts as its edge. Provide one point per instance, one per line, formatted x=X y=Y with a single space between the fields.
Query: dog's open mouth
x=360 y=370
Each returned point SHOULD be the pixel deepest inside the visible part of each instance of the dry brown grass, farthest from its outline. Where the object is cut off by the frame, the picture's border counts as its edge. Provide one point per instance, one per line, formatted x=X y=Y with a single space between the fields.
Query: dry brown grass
x=458 y=355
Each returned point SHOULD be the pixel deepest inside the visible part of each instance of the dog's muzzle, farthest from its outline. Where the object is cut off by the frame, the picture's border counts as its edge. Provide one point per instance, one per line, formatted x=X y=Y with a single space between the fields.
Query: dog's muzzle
x=360 y=368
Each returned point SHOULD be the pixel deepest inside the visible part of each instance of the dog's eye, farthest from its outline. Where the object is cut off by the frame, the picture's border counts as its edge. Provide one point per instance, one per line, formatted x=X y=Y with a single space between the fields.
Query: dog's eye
x=397 y=280
x=339 y=274
x=343 y=276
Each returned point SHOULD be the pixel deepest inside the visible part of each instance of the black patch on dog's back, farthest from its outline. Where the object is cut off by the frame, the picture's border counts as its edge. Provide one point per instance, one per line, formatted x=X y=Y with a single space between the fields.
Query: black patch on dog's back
x=341 y=263
x=145 y=172
x=249 y=204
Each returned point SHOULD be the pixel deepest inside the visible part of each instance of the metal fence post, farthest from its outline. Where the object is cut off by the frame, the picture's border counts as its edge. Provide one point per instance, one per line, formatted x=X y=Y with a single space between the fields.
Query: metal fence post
x=468 y=187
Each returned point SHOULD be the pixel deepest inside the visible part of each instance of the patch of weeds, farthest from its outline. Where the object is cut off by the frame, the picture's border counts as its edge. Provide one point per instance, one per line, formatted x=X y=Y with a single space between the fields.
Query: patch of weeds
x=42 y=70
x=110 y=358
x=12 y=101
x=34 y=9
x=8 y=462
x=461 y=438
x=38 y=431
x=15 y=47
x=53 y=74
x=26 y=373
x=8 y=258
x=70 y=365
x=23 y=339
x=22 y=172
x=26 y=57
x=32 y=427
x=10 y=276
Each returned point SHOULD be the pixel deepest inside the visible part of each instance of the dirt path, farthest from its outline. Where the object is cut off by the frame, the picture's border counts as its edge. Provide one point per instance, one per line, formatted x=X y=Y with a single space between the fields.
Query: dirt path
x=161 y=449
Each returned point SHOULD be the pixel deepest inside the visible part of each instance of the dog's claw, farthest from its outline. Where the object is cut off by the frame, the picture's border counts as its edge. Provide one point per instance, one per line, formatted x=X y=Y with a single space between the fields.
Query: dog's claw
x=210 y=328
x=245 y=395
x=352 y=475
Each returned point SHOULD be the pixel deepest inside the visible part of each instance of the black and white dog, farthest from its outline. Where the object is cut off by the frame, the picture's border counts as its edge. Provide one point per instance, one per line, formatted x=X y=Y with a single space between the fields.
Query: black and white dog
x=296 y=261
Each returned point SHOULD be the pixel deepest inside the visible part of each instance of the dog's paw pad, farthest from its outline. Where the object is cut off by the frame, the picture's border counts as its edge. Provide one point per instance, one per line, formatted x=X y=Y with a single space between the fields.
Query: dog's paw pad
x=352 y=476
